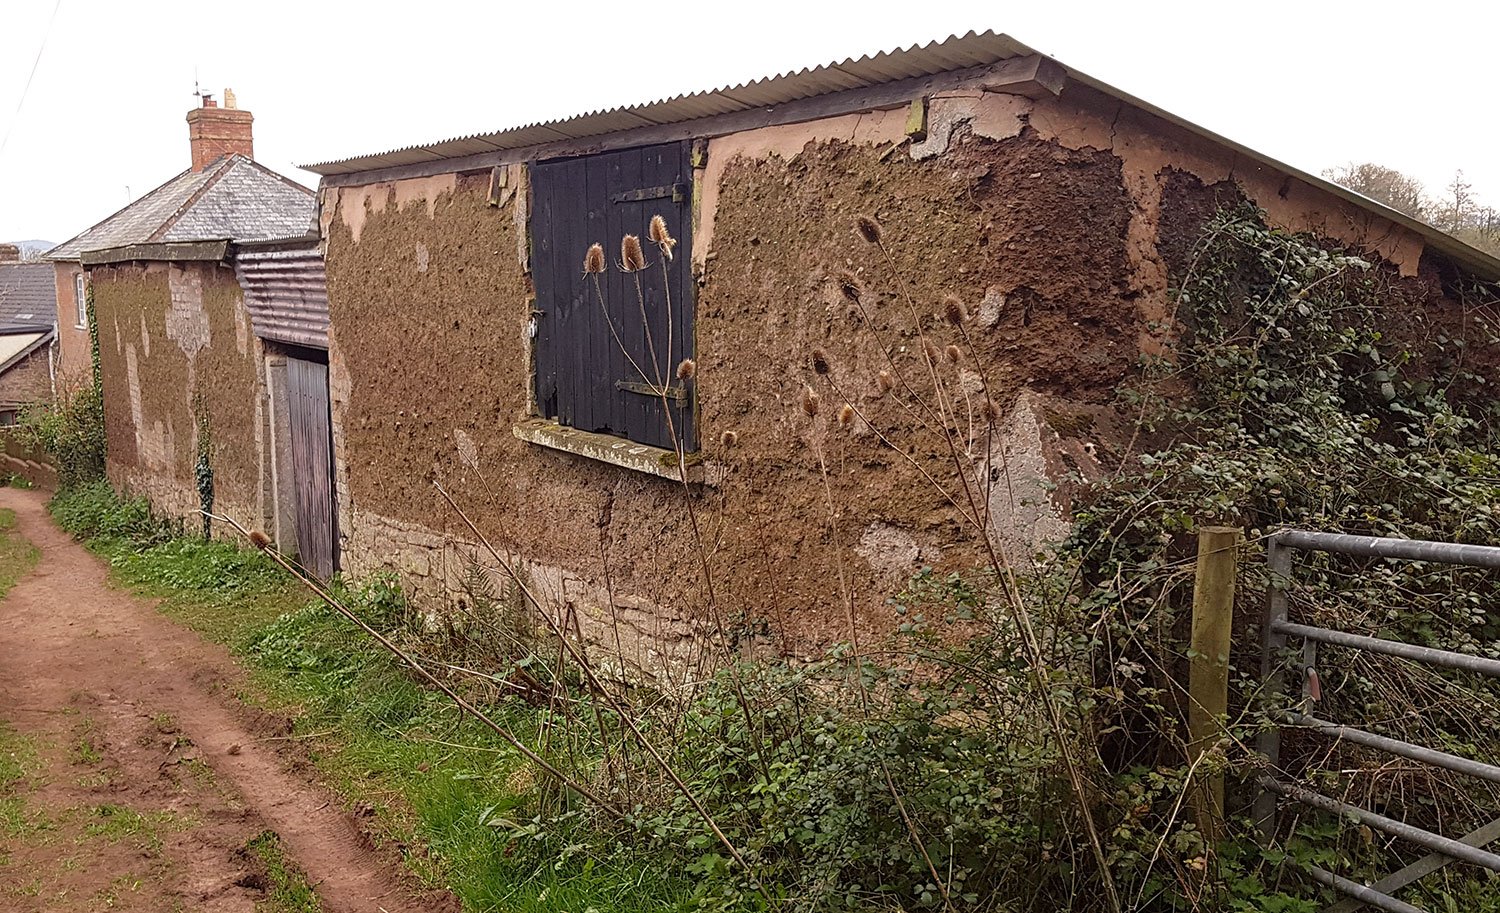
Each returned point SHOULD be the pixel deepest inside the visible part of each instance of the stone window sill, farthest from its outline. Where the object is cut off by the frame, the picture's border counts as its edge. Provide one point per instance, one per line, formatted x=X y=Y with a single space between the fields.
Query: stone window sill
x=606 y=448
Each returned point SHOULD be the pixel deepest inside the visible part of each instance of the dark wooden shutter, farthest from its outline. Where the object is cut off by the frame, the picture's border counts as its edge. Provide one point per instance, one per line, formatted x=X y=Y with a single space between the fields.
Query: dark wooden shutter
x=584 y=378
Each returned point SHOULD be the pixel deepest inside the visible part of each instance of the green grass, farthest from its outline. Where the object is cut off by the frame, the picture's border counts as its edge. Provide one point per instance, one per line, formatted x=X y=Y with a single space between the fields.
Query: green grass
x=121 y=823
x=287 y=890
x=466 y=814
x=17 y=556
x=19 y=766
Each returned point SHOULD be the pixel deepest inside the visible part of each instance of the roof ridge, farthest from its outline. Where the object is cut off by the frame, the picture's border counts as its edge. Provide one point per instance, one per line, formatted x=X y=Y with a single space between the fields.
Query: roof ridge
x=220 y=167
x=271 y=172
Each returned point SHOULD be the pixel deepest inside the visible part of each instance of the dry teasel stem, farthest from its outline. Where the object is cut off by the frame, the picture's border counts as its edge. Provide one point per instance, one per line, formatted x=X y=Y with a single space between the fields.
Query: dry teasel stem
x=729 y=439
x=852 y=289
x=989 y=411
x=687 y=369
x=663 y=238
x=632 y=258
x=885 y=382
x=954 y=354
x=954 y=310
x=820 y=361
x=846 y=415
x=593 y=261
x=810 y=401
x=869 y=229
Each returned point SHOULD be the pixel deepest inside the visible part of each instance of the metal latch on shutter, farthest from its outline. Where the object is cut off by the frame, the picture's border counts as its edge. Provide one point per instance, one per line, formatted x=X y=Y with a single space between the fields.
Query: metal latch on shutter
x=676 y=192
x=676 y=394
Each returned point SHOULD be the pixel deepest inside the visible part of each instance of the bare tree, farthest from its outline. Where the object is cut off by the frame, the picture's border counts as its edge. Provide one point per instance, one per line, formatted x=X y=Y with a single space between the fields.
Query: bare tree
x=1400 y=192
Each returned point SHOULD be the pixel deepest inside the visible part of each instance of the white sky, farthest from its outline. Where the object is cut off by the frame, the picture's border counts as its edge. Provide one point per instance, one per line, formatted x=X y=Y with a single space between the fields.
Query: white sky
x=1315 y=84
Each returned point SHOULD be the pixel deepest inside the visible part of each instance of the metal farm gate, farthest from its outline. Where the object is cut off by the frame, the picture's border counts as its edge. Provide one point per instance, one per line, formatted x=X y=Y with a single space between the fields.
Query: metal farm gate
x=312 y=465
x=1280 y=629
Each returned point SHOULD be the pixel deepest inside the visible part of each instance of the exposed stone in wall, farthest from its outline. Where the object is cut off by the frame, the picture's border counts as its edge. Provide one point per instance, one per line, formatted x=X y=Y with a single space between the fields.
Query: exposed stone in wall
x=187 y=323
x=629 y=637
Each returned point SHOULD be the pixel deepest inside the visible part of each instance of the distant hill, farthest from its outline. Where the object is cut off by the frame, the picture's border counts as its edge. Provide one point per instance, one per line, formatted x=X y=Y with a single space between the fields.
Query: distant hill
x=33 y=248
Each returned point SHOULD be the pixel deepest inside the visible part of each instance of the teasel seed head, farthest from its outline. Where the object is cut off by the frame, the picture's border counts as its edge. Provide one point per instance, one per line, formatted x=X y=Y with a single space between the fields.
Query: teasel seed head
x=259 y=539
x=990 y=412
x=885 y=382
x=954 y=354
x=820 y=361
x=954 y=310
x=869 y=229
x=687 y=369
x=663 y=238
x=852 y=289
x=632 y=258
x=846 y=415
x=930 y=349
x=810 y=401
x=728 y=439
x=593 y=261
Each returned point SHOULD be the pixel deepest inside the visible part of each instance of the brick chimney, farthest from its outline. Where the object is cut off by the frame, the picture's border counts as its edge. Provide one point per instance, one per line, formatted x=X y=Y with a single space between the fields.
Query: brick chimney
x=214 y=132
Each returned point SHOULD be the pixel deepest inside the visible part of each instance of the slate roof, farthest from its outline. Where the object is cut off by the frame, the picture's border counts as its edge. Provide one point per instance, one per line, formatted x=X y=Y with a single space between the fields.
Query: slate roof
x=28 y=295
x=233 y=199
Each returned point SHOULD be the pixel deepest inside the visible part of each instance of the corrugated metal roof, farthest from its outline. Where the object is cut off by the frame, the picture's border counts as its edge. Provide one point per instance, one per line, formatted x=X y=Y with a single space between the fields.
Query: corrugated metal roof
x=28 y=294
x=286 y=293
x=233 y=198
x=887 y=66
x=955 y=53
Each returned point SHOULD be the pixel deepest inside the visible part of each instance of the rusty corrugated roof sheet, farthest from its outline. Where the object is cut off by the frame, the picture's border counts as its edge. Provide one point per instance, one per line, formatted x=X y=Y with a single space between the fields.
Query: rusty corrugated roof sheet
x=954 y=53
x=286 y=292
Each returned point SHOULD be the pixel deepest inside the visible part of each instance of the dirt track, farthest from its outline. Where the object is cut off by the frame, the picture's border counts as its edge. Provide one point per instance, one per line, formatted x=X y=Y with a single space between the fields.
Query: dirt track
x=145 y=778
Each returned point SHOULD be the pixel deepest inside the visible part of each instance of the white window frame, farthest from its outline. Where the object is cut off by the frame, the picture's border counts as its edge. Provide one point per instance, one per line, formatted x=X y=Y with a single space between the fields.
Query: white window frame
x=80 y=296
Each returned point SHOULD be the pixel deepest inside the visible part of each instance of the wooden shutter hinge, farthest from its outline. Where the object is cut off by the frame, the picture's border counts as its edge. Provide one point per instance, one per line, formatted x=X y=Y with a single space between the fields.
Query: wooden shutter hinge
x=677 y=395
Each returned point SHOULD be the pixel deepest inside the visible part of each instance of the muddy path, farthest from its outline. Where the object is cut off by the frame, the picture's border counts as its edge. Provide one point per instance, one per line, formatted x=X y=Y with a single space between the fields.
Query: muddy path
x=137 y=777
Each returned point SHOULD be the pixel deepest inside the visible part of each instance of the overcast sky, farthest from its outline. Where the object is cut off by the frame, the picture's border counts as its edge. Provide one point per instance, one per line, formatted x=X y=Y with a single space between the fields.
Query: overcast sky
x=1313 y=84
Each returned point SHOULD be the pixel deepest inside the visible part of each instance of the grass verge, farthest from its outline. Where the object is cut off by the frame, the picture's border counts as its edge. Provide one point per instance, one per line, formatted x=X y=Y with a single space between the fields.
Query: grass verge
x=17 y=556
x=287 y=890
x=456 y=800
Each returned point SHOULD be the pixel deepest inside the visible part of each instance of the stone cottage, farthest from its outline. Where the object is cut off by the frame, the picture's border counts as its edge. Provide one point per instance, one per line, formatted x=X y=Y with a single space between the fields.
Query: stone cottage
x=470 y=346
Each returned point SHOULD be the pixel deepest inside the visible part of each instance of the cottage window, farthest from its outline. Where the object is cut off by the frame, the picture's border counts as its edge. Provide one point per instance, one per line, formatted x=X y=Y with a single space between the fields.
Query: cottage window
x=602 y=367
x=80 y=299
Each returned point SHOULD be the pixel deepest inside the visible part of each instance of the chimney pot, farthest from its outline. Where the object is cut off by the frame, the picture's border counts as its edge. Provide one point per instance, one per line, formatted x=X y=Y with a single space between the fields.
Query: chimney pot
x=229 y=100
x=214 y=132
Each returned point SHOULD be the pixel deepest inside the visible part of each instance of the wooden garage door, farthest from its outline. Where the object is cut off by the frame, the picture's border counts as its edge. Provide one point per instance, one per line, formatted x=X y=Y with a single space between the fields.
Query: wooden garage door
x=312 y=466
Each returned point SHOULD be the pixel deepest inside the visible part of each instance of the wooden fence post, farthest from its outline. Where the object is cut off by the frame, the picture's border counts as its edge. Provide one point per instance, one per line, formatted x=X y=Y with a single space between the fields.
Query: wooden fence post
x=1208 y=664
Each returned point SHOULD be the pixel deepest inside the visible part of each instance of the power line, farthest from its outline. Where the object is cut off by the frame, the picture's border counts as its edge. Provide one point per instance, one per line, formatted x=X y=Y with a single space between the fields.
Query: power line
x=16 y=118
